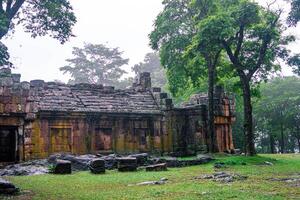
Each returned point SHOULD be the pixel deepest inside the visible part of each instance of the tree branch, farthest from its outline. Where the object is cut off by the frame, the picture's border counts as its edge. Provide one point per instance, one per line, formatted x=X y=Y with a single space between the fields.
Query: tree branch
x=1 y=6
x=263 y=48
x=240 y=41
x=15 y=8
x=232 y=58
x=8 y=5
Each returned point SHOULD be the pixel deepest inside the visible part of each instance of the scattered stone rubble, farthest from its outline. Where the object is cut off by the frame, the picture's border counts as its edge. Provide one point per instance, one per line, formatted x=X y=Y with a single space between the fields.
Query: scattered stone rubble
x=223 y=177
x=35 y=167
x=82 y=163
x=293 y=181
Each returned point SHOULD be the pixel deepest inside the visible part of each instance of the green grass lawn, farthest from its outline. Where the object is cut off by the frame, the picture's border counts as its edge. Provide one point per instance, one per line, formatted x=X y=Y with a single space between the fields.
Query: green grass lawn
x=181 y=185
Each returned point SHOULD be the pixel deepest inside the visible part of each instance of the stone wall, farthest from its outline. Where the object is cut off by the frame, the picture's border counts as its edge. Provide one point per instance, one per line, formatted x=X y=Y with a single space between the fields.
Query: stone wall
x=93 y=133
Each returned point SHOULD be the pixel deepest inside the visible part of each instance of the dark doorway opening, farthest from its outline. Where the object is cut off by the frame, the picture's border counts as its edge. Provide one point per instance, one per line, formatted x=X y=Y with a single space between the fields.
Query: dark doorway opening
x=8 y=144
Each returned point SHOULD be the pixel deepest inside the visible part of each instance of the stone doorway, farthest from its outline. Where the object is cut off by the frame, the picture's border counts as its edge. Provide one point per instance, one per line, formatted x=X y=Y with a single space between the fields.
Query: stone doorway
x=8 y=143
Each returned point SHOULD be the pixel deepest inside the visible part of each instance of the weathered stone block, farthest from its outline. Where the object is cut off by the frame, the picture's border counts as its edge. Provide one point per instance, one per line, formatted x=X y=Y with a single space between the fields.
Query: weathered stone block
x=37 y=83
x=5 y=71
x=62 y=167
x=127 y=164
x=163 y=95
x=16 y=78
x=140 y=158
x=156 y=89
x=97 y=166
x=7 y=187
x=6 y=81
x=157 y=167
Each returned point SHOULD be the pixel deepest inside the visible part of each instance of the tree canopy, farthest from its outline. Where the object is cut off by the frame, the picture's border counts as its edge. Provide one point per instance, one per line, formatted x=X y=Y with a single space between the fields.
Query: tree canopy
x=96 y=64
x=294 y=15
x=38 y=17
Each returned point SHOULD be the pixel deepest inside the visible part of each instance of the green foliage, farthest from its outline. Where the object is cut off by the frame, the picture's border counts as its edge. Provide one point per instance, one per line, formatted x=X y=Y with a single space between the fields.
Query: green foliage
x=152 y=64
x=51 y=169
x=277 y=114
x=294 y=61
x=294 y=15
x=96 y=64
x=4 y=56
x=173 y=31
x=38 y=17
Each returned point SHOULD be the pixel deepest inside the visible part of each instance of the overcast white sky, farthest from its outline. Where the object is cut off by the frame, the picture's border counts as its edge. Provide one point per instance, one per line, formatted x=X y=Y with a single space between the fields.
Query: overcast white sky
x=117 y=23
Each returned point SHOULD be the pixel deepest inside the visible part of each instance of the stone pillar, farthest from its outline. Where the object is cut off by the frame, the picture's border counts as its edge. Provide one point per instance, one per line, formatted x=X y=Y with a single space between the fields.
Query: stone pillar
x=145 y=80
x=142 y=82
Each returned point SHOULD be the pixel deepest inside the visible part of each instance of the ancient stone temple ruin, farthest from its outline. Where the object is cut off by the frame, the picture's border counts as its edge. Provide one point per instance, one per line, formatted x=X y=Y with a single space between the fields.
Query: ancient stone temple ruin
x=40 y=118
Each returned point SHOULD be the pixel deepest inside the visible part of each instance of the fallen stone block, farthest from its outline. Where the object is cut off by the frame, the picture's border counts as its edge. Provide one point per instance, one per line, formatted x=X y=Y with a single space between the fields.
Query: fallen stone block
x=97 y=166
x=7 y=187
x=62 y=167
x=157 y=167
x=160 y=182
x=127 y=164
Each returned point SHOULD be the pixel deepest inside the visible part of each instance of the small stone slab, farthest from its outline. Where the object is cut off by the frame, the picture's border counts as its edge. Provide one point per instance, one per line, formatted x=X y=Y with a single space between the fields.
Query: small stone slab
x=7 y=187
x=97 y=166
x=127 y=164
x=157 y=167
x=62 y=167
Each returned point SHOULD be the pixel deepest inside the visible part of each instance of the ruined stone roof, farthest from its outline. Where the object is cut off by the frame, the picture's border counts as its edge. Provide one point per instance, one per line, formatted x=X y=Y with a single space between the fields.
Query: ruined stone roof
x=38 y=96
x=92 y=98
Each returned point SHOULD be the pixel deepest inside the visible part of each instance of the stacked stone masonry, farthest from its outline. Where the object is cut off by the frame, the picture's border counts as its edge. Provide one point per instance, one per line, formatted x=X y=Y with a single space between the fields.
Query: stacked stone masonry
x=40 y=118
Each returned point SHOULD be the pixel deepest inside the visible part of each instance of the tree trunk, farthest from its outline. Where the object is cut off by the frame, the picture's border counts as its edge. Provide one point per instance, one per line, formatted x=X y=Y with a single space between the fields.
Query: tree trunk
x=298 y=137
x=272 y=143
x=282 y=138
x=248 y=119
x=211 y=117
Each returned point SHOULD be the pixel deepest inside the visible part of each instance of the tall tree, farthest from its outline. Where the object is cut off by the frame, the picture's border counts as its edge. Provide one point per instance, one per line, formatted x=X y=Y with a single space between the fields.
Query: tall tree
x=38 y=17
x=96 y=64
x=152 y=64
x=184 y=50
x=252 y=37
x=210 y=54
x=277 y=113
